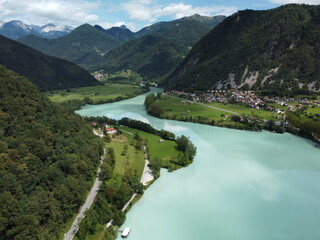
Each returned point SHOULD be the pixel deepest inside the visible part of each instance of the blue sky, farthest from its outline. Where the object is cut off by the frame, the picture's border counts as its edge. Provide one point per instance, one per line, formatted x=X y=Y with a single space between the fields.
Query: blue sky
x=135 y=14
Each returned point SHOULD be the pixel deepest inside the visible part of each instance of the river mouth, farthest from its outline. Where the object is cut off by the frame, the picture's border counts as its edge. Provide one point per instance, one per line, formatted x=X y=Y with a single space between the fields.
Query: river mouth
x=242 y=185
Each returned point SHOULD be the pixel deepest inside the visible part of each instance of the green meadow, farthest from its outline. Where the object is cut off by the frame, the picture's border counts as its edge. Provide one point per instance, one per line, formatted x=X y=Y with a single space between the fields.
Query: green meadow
x=99 y=93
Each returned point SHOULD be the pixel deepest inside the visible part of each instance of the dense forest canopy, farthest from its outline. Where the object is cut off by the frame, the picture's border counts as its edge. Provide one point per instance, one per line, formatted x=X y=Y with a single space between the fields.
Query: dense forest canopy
x=48 y=158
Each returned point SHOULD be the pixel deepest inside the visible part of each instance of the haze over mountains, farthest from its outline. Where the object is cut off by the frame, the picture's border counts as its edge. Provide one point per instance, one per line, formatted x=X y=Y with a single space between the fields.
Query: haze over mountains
x=17 y=29
x=272 y=49
x=87 y=44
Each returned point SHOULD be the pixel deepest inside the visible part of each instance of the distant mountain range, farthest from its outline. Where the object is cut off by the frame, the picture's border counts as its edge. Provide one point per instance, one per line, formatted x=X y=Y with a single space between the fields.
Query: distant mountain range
x=48 y=73
x=87 y=45
x=17 y=29
x=272 y=49
x=84 y=46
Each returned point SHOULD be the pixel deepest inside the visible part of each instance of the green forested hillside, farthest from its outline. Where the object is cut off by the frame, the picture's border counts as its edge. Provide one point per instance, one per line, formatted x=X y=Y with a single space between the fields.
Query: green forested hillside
x=48 y=158
x=273 y=49
x=85 y=45
x=152 y=57
x=185 y=31
x=122 y=34
x=48 y=73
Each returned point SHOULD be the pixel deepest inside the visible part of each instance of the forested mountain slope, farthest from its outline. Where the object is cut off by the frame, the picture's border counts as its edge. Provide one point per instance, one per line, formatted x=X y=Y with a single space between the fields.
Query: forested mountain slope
x=48 y=158
x=152 y=57
x=47 y=72
x=85 y=45
x=185 y=31
x=273 y=49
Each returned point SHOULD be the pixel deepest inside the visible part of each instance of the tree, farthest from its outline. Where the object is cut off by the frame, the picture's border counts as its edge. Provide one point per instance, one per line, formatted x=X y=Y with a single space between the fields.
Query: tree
x=119 y=218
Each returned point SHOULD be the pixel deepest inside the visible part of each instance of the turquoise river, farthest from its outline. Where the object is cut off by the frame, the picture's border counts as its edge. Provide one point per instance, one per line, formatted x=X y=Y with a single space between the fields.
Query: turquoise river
x=241 y=186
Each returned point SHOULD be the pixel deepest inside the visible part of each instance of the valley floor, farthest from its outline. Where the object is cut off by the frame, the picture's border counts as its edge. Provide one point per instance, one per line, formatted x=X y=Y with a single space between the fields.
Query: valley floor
x=108 y=92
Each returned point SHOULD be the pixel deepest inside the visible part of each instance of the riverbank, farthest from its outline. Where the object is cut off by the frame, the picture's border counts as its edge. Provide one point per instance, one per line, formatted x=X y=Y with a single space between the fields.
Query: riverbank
x=135 y=159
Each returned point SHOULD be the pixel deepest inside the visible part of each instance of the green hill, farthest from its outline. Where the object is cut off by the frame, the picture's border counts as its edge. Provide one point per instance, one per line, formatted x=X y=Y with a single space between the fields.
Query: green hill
x=85 y=45
x=186 y=31
x=273 y=49
x=48 y=73
x=122 y=34
x=48 y=158
x=152 y=57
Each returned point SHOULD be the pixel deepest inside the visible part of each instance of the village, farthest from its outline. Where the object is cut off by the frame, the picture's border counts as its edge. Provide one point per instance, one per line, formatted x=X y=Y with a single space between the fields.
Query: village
x=274 y=104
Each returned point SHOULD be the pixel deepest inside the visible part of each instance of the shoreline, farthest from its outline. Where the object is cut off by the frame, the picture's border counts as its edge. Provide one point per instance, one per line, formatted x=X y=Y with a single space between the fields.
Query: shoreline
x=257 y=124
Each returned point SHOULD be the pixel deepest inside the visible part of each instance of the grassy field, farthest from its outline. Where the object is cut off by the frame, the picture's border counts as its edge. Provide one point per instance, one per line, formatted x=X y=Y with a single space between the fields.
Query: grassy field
x=178 y=107
x=97 y=93
x=166 y=151
x=132 y=159
x=242 y=109
x=173 y=106
x=313 y=110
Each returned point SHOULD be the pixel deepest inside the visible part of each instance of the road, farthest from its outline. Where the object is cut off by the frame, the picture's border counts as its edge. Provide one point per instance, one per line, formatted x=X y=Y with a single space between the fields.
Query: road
x=81 y=215
x=147 y=172
x=216 y=108
x=145 y=178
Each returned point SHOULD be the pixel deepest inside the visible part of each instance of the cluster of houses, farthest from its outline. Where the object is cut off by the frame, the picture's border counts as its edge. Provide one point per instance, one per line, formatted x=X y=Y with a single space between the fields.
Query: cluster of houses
x=249 y=98
x=100 y=75
x=105 y=127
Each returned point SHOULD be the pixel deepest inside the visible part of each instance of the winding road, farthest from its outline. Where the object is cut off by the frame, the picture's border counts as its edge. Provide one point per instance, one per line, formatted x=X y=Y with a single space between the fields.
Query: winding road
x=81 y=215
x=145 y=178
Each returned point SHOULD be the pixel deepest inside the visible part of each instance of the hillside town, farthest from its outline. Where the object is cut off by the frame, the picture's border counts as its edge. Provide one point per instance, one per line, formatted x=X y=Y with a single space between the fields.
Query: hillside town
x=249 y=98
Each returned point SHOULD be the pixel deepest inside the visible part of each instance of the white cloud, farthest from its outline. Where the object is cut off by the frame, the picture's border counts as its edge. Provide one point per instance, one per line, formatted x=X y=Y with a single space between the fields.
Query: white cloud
x=180 y=10
x=296 y=1
x=143 y=10
x=70 y=12
x=138 y=10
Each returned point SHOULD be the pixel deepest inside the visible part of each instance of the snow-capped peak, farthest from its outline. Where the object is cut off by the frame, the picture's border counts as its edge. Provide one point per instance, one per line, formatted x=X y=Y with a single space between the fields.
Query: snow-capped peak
x=51 y=27
x=19 y=24
x=1 y=24
x=17 y=29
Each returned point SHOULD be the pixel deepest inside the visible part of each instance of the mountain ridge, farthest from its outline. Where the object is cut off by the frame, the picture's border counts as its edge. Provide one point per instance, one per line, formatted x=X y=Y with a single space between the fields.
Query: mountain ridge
x=85 y=45
x=17 y=29
x=274 y=48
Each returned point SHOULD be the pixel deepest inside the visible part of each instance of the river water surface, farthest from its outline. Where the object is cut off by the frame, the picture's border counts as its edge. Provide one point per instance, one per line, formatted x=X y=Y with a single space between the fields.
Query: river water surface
x=242 y=185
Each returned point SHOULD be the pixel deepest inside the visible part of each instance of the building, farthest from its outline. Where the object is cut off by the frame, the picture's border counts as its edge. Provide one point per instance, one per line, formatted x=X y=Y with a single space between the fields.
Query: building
x=111 y=130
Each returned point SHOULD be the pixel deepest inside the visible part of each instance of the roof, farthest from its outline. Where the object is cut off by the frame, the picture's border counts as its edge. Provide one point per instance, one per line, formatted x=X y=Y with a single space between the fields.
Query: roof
x=110 y=129
x=126 y=232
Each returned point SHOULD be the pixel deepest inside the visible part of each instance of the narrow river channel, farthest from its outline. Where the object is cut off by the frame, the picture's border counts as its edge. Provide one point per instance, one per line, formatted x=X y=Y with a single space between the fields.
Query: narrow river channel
x=242 y=185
